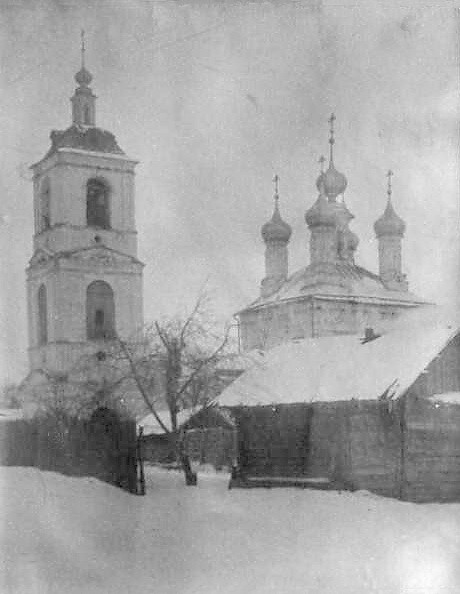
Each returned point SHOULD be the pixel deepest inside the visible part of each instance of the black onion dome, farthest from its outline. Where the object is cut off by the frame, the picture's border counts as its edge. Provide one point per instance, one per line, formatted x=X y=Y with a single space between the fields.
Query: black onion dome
x=276 y=229
x=87 y=139
x=389 y=223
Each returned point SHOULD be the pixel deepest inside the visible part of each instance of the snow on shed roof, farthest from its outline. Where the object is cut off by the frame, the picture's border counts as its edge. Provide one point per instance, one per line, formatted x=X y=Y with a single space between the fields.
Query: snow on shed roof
x=152 y=426
x=329 y=369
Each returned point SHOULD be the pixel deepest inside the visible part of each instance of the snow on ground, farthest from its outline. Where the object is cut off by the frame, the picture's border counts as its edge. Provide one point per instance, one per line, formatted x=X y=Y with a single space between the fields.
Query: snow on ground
x=67 y=535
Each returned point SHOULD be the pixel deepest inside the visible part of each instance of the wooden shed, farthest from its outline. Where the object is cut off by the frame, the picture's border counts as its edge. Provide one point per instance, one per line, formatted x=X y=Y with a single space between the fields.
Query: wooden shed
x=335 y=412
x=209 y=437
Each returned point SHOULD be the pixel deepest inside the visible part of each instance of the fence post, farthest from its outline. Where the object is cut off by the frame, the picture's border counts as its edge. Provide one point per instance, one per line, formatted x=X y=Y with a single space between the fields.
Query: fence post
x=140 y=461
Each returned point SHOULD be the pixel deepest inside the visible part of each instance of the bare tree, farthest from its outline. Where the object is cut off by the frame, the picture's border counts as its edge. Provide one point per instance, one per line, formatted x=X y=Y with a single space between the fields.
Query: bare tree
x=178 y=369
x=171 y=367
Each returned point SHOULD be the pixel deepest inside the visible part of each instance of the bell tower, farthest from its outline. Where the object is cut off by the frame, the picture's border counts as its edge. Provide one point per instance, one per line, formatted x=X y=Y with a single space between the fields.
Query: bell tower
x=84 y=281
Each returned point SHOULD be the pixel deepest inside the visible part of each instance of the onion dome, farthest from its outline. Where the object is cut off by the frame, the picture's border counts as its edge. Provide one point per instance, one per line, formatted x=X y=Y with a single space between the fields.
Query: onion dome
x=389 y=223
x=333 y=182
x=276 y=229
x=83 y=77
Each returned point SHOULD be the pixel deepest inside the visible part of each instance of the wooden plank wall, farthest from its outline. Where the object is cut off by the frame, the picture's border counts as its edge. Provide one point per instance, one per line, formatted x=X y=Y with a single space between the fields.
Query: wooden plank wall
x=273 y=440
x=431 y=460
x=375 y=447
x=356 y=444
x=75 y=447
x=431 y=451
x=329 y=443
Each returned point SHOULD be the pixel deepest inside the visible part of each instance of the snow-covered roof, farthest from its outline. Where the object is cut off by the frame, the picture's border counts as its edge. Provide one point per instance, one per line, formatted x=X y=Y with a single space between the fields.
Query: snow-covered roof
x=329 y=369
x=339 y=280
x=152 y=426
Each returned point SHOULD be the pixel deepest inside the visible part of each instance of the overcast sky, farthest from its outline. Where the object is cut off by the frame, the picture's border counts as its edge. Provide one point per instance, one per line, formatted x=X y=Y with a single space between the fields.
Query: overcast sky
x=214 y=99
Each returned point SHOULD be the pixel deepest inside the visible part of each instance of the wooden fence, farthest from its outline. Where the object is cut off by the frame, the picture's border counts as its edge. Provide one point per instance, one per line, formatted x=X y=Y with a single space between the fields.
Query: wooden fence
x=103 y=446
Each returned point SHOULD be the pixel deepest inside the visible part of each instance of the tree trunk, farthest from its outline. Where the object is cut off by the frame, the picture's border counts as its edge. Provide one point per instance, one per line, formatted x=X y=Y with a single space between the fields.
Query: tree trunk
x=190 y=476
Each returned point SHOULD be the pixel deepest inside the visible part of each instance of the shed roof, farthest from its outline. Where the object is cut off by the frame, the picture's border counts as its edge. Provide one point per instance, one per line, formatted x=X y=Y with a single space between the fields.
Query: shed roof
x=152 y=426
x=337 y=368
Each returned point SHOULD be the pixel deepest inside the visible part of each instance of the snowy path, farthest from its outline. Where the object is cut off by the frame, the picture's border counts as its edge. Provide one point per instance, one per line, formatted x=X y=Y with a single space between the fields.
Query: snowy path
x=66 y=535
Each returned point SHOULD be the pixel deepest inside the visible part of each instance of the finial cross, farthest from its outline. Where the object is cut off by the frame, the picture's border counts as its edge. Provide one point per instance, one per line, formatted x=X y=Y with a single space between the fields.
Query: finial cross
x=389 y=176
x=276 y=180
x=331 y=121
x=83 y=49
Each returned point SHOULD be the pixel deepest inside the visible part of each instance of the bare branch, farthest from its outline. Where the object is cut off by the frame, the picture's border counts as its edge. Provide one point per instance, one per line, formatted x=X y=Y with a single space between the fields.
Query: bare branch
x=138 y=382
x=191 y=317
x=204 y=363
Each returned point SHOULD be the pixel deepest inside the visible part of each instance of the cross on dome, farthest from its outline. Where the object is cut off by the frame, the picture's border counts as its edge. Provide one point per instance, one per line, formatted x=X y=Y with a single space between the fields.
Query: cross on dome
x=389 y=189
x=83 y=49
x=331 y=121
x=276 y=180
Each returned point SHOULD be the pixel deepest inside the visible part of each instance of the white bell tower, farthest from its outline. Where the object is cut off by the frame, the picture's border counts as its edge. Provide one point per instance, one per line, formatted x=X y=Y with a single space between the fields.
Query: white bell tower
x=84 y=281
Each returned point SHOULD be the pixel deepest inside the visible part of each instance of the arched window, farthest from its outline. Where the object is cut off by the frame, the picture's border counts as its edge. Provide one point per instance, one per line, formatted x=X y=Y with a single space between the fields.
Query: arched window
x=97 y=204
x=44 y=214
x=100 y=311
x=42 y=316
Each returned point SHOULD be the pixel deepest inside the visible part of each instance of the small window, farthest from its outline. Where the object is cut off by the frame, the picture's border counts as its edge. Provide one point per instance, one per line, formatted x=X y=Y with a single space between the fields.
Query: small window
x=100 y=311
x=42 y=316
x=97 y=204
x=44 y=208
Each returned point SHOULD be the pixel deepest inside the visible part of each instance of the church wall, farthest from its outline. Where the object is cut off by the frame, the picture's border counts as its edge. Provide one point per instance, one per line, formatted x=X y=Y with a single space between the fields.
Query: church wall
x=291 y=320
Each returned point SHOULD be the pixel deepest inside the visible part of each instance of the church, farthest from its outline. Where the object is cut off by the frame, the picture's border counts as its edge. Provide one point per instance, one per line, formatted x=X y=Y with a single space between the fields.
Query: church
x=84 y=280
x=332 y=295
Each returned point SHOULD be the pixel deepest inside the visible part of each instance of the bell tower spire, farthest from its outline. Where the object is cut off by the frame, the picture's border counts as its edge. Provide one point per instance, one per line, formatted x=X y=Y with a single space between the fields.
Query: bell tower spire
x=83 y=100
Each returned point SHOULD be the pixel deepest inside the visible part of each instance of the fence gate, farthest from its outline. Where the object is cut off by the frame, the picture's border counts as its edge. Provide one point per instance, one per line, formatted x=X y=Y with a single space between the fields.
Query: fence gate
x=111 y=452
